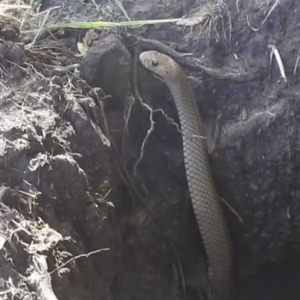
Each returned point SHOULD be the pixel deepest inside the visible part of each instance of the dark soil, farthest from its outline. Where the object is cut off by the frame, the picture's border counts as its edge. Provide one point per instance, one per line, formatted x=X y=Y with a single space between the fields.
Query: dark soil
x=77 y=177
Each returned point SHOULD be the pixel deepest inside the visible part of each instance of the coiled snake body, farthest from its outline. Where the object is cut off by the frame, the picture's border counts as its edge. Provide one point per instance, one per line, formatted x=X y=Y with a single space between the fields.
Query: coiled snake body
x=206 y=202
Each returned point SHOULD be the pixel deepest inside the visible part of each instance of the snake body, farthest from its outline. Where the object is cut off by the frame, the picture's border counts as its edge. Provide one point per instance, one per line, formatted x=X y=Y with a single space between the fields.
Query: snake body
x=206 y=202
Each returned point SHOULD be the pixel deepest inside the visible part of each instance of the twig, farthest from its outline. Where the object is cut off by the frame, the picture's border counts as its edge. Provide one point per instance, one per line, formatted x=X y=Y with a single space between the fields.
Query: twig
x=265 y=19
x=296 y=64
x=231 y=208
x=248 y=23
x=269 y=13
x=78 y=256
x=275 y=52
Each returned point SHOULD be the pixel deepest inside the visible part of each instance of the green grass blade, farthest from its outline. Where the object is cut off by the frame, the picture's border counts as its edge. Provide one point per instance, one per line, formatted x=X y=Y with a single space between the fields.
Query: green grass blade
x=97 y=24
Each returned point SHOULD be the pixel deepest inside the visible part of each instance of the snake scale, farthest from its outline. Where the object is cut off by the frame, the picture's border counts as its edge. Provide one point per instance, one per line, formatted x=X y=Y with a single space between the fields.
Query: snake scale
x=206 y=202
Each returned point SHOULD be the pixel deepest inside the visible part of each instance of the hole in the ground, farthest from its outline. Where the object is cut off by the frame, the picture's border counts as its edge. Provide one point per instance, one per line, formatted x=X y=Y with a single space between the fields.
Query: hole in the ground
x=273 y=282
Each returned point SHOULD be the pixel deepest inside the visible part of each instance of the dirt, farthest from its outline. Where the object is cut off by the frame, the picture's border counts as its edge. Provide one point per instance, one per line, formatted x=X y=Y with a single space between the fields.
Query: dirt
x=110 y=212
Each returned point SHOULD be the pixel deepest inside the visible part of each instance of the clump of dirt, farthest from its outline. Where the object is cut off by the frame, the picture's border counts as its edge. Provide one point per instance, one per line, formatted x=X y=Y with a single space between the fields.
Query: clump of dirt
x=93 y=185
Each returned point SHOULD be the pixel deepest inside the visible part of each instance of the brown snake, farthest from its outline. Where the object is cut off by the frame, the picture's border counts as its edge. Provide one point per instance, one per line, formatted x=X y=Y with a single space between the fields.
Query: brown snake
x=206 y=202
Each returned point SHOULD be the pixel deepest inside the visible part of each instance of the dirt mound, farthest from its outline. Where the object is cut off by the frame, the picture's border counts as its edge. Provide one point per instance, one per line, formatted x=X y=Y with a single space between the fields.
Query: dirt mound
x=93 y=186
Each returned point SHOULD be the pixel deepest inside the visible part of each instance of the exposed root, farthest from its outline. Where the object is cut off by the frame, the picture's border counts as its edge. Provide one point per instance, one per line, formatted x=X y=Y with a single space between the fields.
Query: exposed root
x=151 y=111
x=149 y=131
x=172 y=122
x=40 y=279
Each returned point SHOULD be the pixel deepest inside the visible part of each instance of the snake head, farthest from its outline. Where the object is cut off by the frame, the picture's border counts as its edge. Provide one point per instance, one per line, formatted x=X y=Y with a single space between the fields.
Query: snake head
x=160 y=64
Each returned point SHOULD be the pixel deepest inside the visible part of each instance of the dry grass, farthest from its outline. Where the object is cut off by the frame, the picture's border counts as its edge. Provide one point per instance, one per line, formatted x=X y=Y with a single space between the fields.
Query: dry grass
x=209 y=21
x=40 y=29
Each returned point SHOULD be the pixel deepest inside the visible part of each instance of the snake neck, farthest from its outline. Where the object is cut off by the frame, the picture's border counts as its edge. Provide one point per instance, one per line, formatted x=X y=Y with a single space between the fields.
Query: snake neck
x=185 y=102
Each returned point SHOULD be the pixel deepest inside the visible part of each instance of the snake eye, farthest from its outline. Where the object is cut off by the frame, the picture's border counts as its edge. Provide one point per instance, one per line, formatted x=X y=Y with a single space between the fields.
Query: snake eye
x=154 y=63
